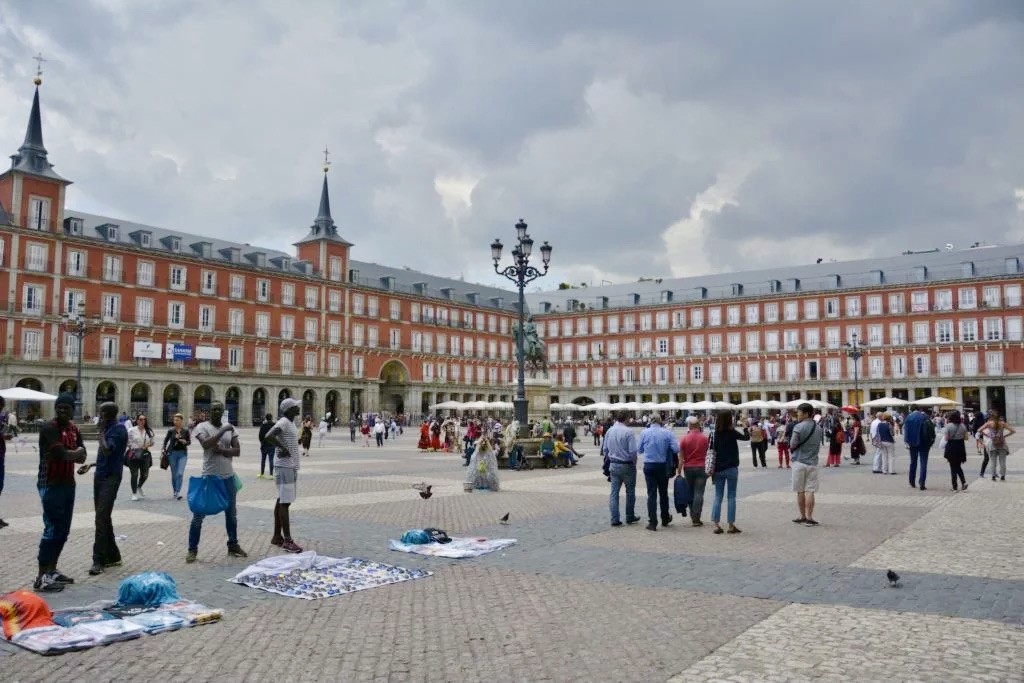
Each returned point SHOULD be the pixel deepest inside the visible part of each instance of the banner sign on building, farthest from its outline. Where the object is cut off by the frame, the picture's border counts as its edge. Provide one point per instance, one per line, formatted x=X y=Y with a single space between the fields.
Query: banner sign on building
x=179 y=352
x=207 y=353
x=146 y=349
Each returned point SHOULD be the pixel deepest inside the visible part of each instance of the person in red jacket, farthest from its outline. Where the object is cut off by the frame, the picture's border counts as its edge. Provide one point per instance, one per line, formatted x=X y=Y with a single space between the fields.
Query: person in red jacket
x=693 y=448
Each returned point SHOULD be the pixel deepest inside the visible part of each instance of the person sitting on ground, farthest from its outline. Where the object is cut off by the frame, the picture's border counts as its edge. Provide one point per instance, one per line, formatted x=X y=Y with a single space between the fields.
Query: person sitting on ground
x=547 y=450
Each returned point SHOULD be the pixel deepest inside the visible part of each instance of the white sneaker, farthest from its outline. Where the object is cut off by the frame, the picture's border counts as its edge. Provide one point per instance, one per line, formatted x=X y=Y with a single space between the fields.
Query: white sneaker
x=141 y=494
x=135 y=497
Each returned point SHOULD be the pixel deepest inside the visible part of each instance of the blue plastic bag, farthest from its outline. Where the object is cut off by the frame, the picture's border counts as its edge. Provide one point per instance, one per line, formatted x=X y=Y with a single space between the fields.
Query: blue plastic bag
x=416 y=537
x=207 y=495
x=682 y=495
x=149 y=589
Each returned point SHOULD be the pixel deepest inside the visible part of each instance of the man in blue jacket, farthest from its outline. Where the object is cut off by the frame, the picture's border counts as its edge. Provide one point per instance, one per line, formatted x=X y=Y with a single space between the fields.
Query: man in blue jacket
x=918 y=435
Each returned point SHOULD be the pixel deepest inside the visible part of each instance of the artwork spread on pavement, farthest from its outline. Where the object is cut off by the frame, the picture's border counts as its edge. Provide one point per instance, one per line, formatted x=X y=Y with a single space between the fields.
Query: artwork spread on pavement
x=311 y=576
x=458 y=548
x=29 y=623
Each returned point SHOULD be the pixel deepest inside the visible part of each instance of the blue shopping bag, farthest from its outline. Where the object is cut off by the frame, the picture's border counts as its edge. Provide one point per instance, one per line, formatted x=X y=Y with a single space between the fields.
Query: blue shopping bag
x=681 y=493
x=207 y=495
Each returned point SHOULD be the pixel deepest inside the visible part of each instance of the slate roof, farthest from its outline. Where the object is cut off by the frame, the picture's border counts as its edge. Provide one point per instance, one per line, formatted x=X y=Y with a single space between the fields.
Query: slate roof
x=933 y=266
x=217 y=250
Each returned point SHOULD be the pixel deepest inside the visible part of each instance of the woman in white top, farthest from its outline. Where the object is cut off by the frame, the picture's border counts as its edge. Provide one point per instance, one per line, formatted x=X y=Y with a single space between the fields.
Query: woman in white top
x=321 y=431
x=139 y=458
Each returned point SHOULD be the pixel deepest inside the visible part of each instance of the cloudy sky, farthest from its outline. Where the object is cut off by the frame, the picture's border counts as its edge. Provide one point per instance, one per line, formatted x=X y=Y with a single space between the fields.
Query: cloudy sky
x=641 y=139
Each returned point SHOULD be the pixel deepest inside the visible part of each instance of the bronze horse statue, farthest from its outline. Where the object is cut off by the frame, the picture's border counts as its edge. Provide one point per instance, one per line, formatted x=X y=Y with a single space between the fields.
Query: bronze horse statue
x=534 y=351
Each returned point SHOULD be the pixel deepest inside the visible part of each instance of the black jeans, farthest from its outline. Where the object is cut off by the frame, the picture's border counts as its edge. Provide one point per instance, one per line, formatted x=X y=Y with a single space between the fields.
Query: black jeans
x=104 y=493
x=956 y=470
x=984 y=461
x=759 y=449
x=380 y=438
x=140 y=473
x=656 y=476
x=697 y=478
x=352 y=434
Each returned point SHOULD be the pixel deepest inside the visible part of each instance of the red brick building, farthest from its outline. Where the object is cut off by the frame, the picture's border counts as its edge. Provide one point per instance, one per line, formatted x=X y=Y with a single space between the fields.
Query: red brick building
x=176 y=320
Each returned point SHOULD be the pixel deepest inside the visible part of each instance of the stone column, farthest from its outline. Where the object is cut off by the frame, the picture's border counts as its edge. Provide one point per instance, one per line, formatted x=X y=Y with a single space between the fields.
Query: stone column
x=244 y=405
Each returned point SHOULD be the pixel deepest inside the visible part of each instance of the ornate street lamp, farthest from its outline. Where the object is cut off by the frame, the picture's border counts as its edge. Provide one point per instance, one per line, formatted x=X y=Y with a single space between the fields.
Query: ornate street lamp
x=521 y=273
x=854 y=351
x=74 y=323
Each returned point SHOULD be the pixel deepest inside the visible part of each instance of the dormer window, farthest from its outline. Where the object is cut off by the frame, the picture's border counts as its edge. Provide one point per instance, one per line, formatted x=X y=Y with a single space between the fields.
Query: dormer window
x=73 y=226
x=113 y=233
x=175 y=244
x=145 y=240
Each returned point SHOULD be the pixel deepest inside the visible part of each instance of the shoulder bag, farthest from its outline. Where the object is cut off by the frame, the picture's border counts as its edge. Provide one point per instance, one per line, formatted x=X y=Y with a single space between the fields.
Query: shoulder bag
x=709 y=459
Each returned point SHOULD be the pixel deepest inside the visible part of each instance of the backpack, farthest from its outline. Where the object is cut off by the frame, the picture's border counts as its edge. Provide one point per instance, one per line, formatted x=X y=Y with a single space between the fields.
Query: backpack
x=928 y=434
x=756 y=434
x=999 y=439
x=840 y=436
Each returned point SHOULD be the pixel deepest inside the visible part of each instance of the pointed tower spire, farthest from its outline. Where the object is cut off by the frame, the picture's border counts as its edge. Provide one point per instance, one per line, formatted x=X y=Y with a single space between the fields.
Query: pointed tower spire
x=31 y=156
x=323 y=215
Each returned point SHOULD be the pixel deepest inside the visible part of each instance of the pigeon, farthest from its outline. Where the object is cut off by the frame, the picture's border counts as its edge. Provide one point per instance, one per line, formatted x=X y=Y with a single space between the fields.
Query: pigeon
x=504 y=519
x=425 y=493
x=422 y=486
x=894 y=578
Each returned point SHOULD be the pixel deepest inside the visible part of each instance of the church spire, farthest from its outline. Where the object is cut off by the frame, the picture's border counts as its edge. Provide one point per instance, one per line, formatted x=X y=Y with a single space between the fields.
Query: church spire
x=31 y=156
x=323 y=225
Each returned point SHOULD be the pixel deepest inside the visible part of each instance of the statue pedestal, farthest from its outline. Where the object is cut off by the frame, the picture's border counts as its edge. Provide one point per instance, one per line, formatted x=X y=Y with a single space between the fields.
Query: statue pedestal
x=538 y=398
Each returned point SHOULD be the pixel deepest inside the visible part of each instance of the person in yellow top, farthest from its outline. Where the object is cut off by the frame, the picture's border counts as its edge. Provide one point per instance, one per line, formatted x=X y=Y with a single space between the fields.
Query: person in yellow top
x=565 y=451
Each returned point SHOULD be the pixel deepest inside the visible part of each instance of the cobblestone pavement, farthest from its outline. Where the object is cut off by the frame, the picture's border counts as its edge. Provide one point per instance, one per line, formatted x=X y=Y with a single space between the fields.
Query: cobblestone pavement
x=575 y=599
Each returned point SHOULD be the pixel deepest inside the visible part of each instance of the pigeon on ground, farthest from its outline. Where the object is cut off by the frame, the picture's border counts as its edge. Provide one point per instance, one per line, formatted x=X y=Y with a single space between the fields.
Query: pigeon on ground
x=504 y=519
x=894 y=578
x=425 y=493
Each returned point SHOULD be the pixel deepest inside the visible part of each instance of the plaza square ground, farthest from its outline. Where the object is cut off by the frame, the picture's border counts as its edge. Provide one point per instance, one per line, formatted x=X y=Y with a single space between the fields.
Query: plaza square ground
x=576 y=599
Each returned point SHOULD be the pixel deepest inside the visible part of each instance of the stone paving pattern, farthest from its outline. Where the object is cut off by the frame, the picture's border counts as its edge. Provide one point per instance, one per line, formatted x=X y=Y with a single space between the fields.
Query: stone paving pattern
x=575 y=599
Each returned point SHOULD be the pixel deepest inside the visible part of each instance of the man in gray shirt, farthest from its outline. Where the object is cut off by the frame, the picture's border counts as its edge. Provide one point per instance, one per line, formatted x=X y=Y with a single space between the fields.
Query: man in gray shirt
x=804 y=445
x=620 y=449
x=219 y=440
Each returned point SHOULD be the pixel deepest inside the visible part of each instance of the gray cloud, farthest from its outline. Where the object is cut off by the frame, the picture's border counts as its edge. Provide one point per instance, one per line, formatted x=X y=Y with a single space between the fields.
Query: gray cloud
x=641 y=140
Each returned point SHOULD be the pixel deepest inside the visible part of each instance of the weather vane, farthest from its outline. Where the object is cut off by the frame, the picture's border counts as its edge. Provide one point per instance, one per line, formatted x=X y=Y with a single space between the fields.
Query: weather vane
x=327 y=164
x=39 y=68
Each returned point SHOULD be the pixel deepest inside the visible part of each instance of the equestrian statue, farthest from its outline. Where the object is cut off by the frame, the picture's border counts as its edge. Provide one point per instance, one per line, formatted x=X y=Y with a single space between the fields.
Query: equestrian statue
x=534 y=351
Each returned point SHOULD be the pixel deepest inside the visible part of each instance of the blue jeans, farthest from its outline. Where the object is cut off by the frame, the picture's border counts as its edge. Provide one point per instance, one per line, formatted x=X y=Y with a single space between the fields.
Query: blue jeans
x=58 y=508
x=514 y=454
x=721 y=479
x=266 y=453
x=622 y=473
x=230 y=520
x=918 y=453
x=177 y=459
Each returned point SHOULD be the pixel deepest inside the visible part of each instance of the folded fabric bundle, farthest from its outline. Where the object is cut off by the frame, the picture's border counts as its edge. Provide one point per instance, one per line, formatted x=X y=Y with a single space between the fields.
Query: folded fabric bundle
x=111 y=630
x=158 y=621
x=23 y=610
x=191 y=612
x=51 y=640
x=74 y=617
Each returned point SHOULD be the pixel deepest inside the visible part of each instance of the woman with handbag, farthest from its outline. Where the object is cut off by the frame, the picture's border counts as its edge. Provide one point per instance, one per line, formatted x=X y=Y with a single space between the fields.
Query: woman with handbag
x=955 y=451
x=175 y=453
x=726 y=468
x=996 y=431
x=857 y=447
x=140 y=440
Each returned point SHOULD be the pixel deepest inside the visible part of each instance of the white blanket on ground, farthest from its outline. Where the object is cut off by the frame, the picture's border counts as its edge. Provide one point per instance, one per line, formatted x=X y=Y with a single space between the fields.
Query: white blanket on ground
x=458 y=548
x=310 y=576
